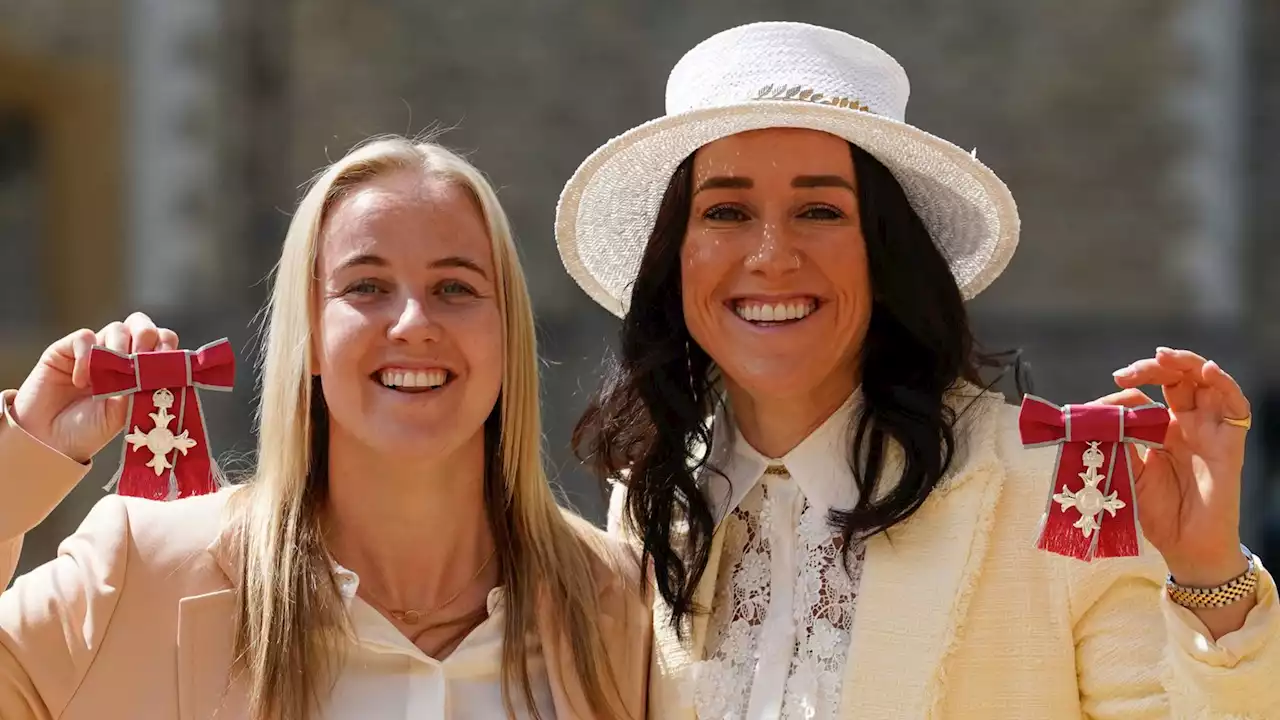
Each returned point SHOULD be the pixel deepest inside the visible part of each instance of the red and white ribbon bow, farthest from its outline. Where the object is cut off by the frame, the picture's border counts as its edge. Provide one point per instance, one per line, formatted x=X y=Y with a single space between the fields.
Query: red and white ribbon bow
x=1092 y=511
x=163 y=460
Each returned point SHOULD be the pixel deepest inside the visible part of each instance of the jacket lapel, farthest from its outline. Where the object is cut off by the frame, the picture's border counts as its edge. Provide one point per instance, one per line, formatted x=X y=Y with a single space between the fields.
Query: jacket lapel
x=674 y=667
x=205 y=647
x=916 y=584
x=206 y=639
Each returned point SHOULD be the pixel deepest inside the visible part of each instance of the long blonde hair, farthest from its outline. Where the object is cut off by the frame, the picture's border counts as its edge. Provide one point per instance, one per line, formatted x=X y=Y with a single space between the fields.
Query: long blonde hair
x=291 y=619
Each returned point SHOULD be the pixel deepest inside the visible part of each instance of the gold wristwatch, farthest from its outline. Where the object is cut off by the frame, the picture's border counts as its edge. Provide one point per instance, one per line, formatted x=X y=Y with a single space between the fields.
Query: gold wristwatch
x=1228 y=593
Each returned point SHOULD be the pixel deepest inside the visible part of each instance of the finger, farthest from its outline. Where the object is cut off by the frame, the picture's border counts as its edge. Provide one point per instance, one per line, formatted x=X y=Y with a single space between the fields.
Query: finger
x=1181 y=397
x=1234 y=404
x=168 y=339
x=115 y=337
x=1148 y=371
x=1184 y=360
x=144 y=333
x=1131 y=397
x=80 y=344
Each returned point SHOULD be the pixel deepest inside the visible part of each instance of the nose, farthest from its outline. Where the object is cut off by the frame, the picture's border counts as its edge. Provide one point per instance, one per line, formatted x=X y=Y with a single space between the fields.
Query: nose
x=414 y=324
x=775 y=252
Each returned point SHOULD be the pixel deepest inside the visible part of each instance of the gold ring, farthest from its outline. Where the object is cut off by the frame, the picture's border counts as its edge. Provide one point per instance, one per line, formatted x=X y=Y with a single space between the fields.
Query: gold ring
x=1245 y=422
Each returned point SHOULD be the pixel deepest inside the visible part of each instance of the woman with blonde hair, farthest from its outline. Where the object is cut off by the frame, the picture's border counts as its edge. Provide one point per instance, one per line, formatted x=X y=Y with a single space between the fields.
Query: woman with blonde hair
x=398 y=551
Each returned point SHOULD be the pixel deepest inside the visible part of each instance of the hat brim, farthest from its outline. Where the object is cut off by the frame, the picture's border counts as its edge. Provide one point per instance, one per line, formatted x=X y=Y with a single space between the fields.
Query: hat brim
x=607 y=210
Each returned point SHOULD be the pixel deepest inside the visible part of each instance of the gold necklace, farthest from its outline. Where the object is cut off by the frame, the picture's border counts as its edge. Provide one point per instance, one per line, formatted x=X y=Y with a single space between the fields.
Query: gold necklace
x=413 y=617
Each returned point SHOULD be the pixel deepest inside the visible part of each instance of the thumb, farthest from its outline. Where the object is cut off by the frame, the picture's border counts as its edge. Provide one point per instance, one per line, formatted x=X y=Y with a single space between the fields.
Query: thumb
x=1154 y=470
x=1137 y=457
x=114 y=410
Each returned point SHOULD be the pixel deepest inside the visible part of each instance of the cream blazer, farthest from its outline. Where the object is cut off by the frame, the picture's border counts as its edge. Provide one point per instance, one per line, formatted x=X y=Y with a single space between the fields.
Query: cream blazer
x=960 y=617
x=134 y=618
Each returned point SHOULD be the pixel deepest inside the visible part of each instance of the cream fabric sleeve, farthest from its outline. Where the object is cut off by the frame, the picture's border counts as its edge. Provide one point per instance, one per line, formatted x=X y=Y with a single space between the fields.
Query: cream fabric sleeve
x=1139 y=655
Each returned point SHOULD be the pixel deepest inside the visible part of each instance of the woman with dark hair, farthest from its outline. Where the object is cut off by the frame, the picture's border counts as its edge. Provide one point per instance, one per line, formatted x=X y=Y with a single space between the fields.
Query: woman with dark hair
x=838 y=515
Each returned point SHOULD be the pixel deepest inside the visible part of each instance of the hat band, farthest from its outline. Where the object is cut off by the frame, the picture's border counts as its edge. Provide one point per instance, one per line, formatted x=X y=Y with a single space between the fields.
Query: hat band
x=804 y=94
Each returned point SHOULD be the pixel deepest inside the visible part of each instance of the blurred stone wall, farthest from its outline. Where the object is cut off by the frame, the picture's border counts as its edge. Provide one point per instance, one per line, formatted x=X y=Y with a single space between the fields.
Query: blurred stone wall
x=60 y=75
x=1262 y=223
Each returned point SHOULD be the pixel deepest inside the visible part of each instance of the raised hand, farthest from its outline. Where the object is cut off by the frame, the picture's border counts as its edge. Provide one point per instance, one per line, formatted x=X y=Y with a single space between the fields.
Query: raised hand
x=55 y=404
x=1188 y=492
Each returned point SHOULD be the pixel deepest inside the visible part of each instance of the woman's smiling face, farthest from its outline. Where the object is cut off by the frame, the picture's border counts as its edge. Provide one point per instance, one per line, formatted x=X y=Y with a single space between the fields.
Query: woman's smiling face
x=774 y=270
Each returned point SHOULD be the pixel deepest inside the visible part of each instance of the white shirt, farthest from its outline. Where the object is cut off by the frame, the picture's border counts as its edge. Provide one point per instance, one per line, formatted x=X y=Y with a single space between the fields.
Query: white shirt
x=778 y=635
x=387 y=677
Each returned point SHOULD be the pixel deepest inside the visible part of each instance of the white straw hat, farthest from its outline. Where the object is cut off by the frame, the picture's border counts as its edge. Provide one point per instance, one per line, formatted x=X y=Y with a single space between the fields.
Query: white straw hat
x=767 y=75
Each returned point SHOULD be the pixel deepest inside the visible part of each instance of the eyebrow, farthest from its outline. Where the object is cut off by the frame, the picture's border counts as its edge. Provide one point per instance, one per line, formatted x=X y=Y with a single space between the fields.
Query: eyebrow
x=361 y=259
x=457 y=261
x=725 y=182
x=720 y=182
x=453 y=261
x=818 y=181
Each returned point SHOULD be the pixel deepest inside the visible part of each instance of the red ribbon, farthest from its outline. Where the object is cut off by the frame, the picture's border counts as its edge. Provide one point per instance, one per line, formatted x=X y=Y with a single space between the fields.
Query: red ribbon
x=166 y=448
x=1092 y=511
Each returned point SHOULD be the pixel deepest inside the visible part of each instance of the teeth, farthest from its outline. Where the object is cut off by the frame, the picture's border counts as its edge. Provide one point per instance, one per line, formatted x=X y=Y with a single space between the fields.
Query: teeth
x=413 y=379
x=761 y=312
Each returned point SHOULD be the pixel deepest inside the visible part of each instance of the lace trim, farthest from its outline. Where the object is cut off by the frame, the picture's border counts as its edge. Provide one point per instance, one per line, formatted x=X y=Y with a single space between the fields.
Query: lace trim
x=825 y=596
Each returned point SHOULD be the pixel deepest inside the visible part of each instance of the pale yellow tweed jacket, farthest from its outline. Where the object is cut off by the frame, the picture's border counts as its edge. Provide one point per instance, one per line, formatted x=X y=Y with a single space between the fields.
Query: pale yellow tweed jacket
x=959 y=617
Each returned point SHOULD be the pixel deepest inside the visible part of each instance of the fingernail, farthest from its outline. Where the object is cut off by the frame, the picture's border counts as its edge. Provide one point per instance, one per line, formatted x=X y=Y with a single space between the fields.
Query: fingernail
x=1163 y=349
x=1123 y=372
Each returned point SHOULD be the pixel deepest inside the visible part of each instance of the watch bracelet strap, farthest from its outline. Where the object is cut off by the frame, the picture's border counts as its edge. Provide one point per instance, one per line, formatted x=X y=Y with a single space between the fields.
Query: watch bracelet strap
x=1228 y=593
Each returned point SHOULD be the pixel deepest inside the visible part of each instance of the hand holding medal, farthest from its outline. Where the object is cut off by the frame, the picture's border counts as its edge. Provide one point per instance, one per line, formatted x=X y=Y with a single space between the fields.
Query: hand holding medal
x=88 y=386
x=1189 y=491
x=1126 y=462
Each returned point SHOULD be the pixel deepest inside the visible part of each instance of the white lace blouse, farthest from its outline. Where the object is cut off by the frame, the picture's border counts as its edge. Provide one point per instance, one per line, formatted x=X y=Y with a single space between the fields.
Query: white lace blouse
x=778 y=635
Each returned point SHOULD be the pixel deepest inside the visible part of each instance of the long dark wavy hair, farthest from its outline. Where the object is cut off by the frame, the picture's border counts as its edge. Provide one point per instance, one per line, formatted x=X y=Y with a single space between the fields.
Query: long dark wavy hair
x=650 y=413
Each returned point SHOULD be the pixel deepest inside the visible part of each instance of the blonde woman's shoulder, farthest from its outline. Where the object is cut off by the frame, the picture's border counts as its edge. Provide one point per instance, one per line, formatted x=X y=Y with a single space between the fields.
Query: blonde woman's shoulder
x=614 y=561
x=178 y=545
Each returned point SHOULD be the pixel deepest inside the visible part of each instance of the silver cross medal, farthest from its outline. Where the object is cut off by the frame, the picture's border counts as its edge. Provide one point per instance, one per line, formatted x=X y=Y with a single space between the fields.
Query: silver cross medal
x=160 y=440
x=1089 y=500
